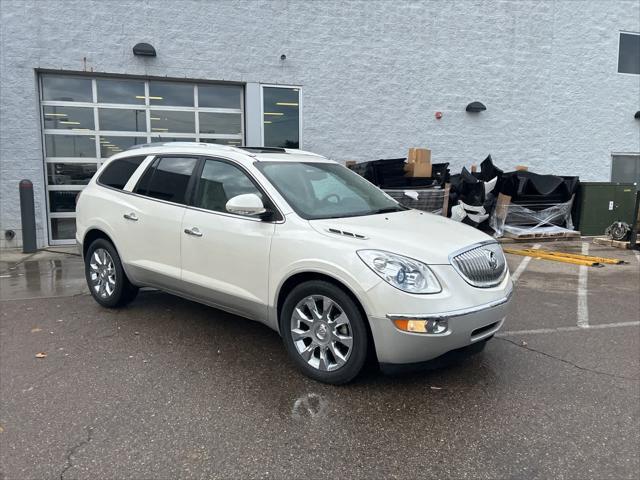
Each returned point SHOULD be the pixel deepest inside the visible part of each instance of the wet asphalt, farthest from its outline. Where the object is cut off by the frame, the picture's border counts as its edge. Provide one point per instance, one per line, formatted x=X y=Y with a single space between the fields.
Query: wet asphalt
x=167 y=388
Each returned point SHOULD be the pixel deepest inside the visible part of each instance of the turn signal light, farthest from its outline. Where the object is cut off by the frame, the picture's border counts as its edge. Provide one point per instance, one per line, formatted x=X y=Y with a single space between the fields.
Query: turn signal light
x=432 y=326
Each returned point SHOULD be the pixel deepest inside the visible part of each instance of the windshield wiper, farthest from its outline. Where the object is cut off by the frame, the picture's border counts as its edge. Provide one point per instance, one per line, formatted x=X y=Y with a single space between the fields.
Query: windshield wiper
x=387 y=210
x=398 y=208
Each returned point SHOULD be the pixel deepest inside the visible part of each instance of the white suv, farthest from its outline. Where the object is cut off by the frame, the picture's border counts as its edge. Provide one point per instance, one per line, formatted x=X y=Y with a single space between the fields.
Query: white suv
x=298 y=242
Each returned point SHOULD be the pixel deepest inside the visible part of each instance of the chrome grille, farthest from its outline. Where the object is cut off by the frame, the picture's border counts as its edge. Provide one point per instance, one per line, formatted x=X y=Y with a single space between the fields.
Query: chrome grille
x=481 y=266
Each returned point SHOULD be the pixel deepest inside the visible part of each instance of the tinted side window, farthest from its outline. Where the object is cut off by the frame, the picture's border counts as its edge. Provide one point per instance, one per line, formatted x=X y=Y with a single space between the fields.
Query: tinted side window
x=167 y=179
x=220 y=182
x=117 y=173
x=145 y=179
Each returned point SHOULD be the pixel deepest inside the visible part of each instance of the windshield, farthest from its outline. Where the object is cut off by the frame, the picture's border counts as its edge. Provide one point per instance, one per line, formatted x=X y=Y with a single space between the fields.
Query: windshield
x=326 y=190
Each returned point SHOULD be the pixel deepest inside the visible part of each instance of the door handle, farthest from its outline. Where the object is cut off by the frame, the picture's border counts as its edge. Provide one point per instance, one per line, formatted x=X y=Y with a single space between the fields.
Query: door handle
x=131 y=216
x=194 y=231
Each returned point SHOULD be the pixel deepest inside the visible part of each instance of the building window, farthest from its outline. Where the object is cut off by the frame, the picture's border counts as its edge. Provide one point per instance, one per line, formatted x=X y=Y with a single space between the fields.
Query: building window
x=629 y=53
x=281 y=116
x=87 y=119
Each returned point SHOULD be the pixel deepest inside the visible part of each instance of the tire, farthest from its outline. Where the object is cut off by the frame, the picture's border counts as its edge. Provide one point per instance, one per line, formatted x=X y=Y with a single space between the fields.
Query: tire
x=108 y=284
x=329 y=342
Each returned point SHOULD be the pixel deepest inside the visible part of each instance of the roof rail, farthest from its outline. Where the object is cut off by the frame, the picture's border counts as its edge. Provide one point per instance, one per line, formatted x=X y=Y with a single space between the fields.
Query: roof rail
x=178 y=144
x=264 y=149
x=303 y=152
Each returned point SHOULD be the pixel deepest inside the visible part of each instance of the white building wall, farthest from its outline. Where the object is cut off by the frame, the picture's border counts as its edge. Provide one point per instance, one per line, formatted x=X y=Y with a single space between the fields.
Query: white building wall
x=373 y=74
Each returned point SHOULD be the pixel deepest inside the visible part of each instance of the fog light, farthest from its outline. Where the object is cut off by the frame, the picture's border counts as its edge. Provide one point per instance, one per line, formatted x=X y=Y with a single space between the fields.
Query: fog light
x=432 y=325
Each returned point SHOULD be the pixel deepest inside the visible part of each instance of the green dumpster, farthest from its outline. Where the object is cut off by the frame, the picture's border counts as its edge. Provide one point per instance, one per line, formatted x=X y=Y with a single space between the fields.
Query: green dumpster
x=602 y=203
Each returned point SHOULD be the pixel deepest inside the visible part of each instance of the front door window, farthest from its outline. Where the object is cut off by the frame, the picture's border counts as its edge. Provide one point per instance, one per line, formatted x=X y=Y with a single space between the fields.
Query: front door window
x=219 y=183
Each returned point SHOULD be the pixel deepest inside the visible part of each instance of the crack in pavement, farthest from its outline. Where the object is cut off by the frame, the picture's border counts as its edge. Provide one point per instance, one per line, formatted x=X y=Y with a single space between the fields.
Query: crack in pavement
x=69 y=463
x=59 y=252
x=575 y=365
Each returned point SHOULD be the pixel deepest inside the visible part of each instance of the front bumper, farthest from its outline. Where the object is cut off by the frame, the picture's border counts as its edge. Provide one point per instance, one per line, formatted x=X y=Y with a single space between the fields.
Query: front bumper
x=465 y=327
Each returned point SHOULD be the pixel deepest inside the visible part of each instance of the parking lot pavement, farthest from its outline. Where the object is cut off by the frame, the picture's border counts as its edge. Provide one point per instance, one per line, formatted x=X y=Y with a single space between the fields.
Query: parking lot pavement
x=168 y=388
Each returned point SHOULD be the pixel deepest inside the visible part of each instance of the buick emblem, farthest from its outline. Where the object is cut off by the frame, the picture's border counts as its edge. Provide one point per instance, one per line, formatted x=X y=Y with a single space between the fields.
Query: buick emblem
x=491 y=257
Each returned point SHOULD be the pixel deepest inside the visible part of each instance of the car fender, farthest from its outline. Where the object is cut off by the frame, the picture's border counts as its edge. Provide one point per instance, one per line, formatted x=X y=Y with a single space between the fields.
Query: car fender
x=358 y=284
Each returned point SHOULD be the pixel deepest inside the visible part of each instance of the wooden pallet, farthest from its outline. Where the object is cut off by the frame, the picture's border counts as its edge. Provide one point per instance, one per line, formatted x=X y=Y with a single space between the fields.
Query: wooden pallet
x=611 y=243
x=544 y=236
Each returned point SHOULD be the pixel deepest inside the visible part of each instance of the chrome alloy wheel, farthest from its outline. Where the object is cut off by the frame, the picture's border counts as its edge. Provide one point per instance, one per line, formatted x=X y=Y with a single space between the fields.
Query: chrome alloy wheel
x=321 y=332
x=102 y=273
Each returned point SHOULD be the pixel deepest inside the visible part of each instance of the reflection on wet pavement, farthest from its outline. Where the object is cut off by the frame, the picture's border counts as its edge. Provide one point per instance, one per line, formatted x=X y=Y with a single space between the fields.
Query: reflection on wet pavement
x=52 y=277
x=310 y=405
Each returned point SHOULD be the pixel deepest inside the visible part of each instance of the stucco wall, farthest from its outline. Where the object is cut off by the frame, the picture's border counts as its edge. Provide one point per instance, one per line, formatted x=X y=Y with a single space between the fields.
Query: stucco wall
x=373 y=74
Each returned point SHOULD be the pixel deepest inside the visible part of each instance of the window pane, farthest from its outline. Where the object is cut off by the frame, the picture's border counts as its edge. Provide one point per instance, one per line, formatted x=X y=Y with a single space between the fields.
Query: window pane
x=143 y=183
x=112 y=145
x=68 y=89
x=170 y=179
x=171 y=93
x=63 y=228
x=220 y=123
x=68 y=118
x=70 y=173
x=164 y=139
x=219 y=183
x=118 y=119
x=63 y=201
x=120 y=91
x=169 y=121
x=281 y=117
x=223 y=141
x=219 y=96
x=117 y=173
x=629 y=53
x=70 y=146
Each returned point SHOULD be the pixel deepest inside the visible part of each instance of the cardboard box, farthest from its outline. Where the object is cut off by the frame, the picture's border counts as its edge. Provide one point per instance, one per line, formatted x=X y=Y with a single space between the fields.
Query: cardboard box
x=408 y=169
x=418 y=162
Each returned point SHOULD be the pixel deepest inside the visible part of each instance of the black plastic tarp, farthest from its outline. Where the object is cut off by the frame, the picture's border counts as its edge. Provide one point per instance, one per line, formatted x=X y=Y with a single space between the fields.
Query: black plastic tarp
x=390 y=173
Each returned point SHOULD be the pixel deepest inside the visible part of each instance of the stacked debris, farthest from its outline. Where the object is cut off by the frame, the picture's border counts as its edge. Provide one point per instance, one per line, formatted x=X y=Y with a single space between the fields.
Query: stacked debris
x=535 y=204
x=413 y=181
x=430 y=200
x=472 y=196
x=508 y=203
x=416 y=170
x=383 y=173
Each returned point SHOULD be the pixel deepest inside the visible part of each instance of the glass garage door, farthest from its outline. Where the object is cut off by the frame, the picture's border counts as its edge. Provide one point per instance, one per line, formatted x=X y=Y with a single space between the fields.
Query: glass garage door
x=87 y=119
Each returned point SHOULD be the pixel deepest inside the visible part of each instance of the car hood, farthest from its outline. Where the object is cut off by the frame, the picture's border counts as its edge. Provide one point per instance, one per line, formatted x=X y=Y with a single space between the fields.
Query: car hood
x=423 y=236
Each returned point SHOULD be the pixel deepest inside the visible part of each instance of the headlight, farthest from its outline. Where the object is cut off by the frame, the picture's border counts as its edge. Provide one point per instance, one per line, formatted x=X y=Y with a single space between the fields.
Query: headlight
x=404 y=273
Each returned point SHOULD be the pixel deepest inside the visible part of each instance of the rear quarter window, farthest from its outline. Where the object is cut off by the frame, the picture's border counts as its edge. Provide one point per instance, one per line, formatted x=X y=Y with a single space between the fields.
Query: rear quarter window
x=167 y=179
x=117 y=172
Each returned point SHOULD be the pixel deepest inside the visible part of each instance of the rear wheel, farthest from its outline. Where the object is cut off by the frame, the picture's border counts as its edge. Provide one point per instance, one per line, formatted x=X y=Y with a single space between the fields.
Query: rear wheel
x=324 y=332
x=105 y=276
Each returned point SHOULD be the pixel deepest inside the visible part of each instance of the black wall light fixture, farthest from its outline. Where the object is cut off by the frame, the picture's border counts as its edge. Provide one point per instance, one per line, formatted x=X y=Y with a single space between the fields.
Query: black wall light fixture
x=475 y=107
x=637 y=115
x=144 y=50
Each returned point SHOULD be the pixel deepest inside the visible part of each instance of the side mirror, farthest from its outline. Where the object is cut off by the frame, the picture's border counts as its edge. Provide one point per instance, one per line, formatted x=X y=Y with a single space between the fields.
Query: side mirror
x=248 y=204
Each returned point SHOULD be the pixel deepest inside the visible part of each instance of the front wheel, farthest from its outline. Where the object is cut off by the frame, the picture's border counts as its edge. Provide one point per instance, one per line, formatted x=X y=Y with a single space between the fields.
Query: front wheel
x=105 y=276
x=324 y=332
